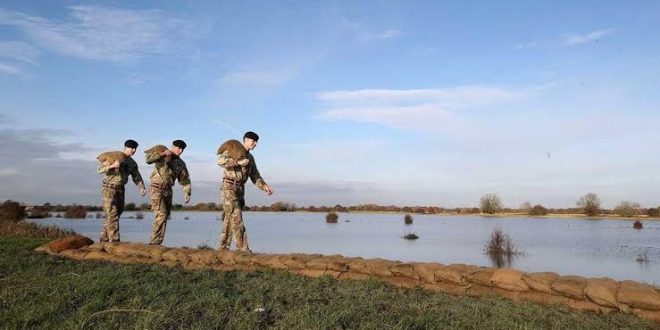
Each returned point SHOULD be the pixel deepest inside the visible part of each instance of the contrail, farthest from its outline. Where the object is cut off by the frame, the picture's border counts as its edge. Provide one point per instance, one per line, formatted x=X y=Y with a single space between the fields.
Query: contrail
x=227 y=126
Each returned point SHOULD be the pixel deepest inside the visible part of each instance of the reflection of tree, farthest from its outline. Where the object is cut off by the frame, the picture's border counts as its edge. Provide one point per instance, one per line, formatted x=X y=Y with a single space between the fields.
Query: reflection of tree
x=500 y=249
x=501 y=260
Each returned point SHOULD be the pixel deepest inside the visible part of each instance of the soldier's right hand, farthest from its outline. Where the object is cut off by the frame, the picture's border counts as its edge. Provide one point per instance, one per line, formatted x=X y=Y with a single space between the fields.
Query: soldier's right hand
x=243 y=162
x=115 y=164
x=167 y=152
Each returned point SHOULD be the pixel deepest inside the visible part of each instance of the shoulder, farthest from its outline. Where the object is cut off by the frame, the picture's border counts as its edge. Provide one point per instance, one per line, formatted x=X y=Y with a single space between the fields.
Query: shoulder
x=129 y=161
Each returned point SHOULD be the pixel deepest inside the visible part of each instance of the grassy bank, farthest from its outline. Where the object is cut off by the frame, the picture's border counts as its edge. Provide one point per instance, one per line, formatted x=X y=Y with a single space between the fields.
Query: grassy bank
x=41 y=291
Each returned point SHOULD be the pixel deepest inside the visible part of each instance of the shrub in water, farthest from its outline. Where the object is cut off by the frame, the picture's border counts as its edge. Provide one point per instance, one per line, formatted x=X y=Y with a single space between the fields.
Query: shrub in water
x=500 y=248
x=408 y=219
x=331 y=217
x=411 y=236
x=12 y=211
x=76 y=212
x=538 y=210
x=38 y=212
x=638 y=225
x=139 y=215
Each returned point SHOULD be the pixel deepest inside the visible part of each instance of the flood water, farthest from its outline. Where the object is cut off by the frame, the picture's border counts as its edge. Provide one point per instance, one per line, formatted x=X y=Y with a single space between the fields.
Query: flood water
x=592 y=248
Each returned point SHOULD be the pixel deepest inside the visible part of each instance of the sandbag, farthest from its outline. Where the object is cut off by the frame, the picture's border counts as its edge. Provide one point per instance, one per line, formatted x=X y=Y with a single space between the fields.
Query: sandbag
x=335 y=263
x=602 y=291
x=570 y=286
x=638 y=295
x=401 y=281
x=380 y=267
x=75 y=254
x=649 y=315
x=481 y=276
x=177 y=255
x=157 y=149
x=297 y=261
x=406 y=270
x=234 y=148
x=69 y=242
x=204 y=257
x=109 y=157
x=509 y=279
x=426 y=271
x=541 y=281
x=359 y=265
x=227 y=257
x=454 y=273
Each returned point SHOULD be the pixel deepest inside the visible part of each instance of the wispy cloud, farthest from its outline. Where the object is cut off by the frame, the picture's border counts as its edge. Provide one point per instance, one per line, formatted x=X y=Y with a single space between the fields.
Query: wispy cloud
x=19 y=51
x=567 y=40
x=100 y=33
x=10 y=69
x=365 y=34
x=410 y=108
x=256 y=78
x=389 y=34
x=573 y=39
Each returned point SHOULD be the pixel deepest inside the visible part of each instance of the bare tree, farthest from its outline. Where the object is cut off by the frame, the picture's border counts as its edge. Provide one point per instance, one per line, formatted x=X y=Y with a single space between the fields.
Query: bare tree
x=590 y=204
x=490 y=204
x=627 y=209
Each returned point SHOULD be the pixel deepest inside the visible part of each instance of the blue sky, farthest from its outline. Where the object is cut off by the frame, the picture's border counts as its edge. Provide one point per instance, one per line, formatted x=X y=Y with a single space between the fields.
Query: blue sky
x=389 y=102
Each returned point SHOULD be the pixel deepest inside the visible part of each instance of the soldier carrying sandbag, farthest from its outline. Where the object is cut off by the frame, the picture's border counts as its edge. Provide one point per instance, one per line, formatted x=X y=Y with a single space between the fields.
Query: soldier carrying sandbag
x=238 y=165
x=116 y=167
x=168 y=168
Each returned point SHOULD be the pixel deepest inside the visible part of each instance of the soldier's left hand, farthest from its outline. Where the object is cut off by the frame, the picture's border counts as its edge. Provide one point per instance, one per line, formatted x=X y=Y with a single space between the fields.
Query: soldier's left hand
x=143 y=191
x=268 y=190
x=186 y=199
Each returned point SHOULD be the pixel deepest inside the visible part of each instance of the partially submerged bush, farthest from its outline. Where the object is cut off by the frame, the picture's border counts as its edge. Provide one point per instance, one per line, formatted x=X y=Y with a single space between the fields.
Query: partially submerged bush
x=38 y=212
x=500 y=248
x=139 y=215
x=638 y=224
x=76 y=212
x=538 y=210
x=12 y=211
x=331 y=217
x=411 y=236
x=408 y=219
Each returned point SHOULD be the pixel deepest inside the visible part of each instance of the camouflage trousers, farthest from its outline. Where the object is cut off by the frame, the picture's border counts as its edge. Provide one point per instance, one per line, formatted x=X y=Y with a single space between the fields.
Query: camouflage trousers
x=113 y=206
x=161 y=205
x=233 y=201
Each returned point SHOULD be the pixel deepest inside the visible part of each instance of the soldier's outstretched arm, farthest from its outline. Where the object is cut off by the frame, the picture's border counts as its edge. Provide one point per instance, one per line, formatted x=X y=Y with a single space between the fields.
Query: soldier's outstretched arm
x=137 y=178
x=256 y=178
x=184 y=181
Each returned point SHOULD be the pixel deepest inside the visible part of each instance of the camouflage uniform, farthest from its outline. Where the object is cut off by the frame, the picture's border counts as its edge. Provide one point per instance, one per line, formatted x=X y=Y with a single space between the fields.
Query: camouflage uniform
x=113 y=195
x=166 y=170
x=233 y=199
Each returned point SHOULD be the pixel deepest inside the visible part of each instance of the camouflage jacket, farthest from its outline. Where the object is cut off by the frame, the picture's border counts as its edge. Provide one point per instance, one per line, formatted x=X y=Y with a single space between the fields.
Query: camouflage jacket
x=167 y=171
x=119 y=176
x=240 y=174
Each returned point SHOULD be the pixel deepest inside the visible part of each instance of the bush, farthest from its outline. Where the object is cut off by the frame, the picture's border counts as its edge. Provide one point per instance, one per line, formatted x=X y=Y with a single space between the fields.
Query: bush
x=411 y=236
x=589 y=204
x=490 y=204
x=627 y=209
x=408 y=219
x=12 y=211
x=653 y=212
x=538 y=210
x=75 y=212
x=139 y=215
x=38 y=212
x=331 y=217
x=638 y=225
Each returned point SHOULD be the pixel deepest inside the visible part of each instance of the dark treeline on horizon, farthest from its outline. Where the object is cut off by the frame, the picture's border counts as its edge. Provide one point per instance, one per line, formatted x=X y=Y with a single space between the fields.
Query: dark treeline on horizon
x=624 y=209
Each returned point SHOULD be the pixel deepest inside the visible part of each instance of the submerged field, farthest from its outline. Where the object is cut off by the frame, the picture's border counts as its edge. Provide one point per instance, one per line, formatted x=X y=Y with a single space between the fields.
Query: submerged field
x=41 y=291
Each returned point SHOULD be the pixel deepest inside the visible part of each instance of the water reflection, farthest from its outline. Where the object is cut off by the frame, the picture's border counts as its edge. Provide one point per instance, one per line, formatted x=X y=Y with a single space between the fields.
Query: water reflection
x=501 y=260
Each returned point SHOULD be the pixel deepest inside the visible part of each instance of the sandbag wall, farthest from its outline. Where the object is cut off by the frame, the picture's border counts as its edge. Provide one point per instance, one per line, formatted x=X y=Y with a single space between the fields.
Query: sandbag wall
x=600 y=295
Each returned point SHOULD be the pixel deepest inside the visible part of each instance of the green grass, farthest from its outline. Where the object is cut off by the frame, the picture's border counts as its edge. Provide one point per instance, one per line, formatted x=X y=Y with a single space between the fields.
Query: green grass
x=46 y=292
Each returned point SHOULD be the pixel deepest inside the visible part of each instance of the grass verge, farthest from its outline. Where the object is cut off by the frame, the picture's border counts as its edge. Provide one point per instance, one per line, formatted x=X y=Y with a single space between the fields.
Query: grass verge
x=40 y=291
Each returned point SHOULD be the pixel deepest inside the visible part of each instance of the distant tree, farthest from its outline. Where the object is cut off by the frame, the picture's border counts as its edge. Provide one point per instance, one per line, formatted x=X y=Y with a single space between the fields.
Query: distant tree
x=12 y=211
x=129 y=207
x=490 y=204
x=339 y=208
x=627 y=209
x=283 y=207
x=145 y=206
x=589 y=204
x=75 y=212
x=653 y=212
x=538 y=210
x=525 y=207
x=177 y=207
x=38 y=212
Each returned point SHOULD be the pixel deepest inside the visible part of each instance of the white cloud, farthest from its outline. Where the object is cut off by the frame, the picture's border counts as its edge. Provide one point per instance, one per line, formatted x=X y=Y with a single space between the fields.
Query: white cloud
x=100 y=33
x=19 y=51
x=10 y=69
x=573 y=39
x=411 y=108
x=256 y=78
x=389 y=34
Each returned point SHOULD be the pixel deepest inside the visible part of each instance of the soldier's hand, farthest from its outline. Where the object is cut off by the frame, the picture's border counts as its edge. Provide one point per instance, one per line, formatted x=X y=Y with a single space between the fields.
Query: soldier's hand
x=167 y=152
x=243 y=162
x=115 y=164
x=186 y=199
x=142 y=190
x=268 y=190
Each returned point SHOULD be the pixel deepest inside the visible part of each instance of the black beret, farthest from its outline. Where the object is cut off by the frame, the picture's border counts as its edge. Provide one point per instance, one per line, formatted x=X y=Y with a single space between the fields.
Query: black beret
x=179 y=143
x=131 y=144
x=251 y=135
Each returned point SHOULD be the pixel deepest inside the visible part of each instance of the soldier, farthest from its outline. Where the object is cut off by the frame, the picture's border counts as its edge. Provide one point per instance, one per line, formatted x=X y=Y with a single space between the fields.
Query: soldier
x=116 y=177
x=168 y=167
x=233 y=192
